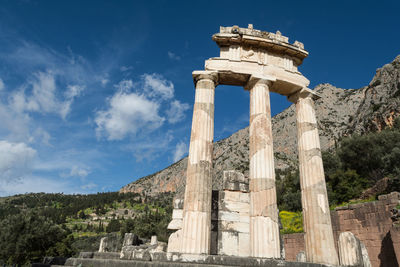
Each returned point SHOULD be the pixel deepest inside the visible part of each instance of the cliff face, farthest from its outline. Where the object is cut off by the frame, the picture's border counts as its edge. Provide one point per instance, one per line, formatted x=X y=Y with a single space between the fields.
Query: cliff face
x=339 y=112
x=381 y=100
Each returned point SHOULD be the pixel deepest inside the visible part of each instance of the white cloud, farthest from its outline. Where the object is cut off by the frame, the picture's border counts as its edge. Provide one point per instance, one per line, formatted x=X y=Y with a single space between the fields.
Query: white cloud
x=176 y=112
x=72 y=92
x=1 y=84
x=125 y=85
x=125 y=68
x=138 y=107
x=40 y=135
x=173 y=56
x=79 y=172
x=156 y=86
x=26 y=57
x=43 y=96
x=104 y=81
x=127 y=113
x=16 y=160
x=89 y=186
x=35 y=184
x=13 y=123
x=180 y=150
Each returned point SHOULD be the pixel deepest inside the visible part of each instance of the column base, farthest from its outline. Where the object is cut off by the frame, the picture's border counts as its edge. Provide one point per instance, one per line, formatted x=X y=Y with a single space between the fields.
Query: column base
x=264 y=233
x=196 y=232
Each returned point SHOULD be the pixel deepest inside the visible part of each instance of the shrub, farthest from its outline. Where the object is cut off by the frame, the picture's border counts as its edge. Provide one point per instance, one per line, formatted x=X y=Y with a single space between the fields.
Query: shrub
x=292 y=222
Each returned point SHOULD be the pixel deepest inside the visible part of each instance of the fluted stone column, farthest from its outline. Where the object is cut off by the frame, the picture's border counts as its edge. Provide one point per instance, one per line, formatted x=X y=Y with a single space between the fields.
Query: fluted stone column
x=196 y=228
x=319 y=241
x=264 y=227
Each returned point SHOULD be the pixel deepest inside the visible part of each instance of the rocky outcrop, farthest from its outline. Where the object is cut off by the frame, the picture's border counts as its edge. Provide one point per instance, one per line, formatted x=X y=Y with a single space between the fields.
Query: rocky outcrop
x=381 y=100
x=340 y=112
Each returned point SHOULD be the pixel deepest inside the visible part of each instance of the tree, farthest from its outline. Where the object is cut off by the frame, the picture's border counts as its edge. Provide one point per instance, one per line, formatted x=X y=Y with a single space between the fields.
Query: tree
x=26 y=238
x=81 y=215
x=346 y=185
x=288 y=190
x=128 y=226
x=113 y=226
x=100 y=229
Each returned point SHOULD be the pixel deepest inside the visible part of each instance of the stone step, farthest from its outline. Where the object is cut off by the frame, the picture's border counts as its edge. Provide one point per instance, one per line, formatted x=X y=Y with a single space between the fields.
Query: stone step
x=208 y=261
x=87 y=262
x=99 y=255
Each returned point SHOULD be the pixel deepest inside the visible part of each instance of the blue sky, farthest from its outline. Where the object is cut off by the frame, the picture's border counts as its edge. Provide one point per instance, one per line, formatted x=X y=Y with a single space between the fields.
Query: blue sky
x=95 y=94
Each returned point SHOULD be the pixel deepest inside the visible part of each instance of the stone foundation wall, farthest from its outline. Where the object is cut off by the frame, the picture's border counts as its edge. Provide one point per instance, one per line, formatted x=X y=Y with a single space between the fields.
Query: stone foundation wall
x=294 y=243
x=370 y=222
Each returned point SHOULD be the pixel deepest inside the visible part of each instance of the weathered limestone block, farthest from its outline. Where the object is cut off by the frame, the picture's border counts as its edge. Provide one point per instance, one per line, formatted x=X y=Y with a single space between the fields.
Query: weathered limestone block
x=175 y=225
x=235 y=181
x=228 y=243
x=349 y=250
x=232 y=230
x=244 y=244
x=301 y=257
x=241 y=227
x=142 y=252
x=103 y=244
x=365 y=257
x=127 y=252
x=235 y=207
x=178 y=204
x=174 y=241
x=108 y=244
x=130 y=239
x=177 y=215
x=153 y=240
x=160 y=247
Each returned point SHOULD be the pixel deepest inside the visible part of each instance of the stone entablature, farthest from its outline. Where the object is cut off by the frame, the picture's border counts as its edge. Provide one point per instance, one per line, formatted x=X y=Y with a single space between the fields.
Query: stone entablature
x=246 y=51
x=230 y=37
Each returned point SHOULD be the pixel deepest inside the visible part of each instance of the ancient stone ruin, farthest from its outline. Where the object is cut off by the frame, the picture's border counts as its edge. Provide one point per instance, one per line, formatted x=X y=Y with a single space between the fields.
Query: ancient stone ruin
x=261 y=62
x=239 y=225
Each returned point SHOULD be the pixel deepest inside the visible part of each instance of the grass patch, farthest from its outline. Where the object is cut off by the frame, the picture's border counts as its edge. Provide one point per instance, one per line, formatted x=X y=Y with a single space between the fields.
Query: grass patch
x=357 y=201
x=85 y=234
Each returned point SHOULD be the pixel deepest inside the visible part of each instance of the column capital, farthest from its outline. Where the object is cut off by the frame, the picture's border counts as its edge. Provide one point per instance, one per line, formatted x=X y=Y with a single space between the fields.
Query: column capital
x=303 y=93
x=205 y=75
x=258 y=79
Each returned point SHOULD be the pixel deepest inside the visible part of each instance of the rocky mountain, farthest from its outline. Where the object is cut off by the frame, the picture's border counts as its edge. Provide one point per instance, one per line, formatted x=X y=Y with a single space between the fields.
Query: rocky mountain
x=340 y=112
